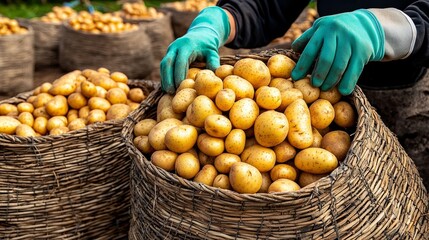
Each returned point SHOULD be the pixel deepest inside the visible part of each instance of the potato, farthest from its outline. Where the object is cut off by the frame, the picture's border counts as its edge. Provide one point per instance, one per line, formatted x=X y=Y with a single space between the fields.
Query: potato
x=345 y=115
x=136 y=95
x=119 y=77
x=164 y=159
x=31 y=99
x=118 y=111
x=310 y=93
x=266 y=182
x=84 y=112
x=206 y=175
x=59 y=131
x=317 y=138
x=116 y=95
x=217 y=125
x=187 y=165
x=25 y=107
x=253 y=70
x=192 y=72
x=44 y=88
x=57 y=106
x=337 y=142
x=235 y=141
x=207 y=83
x=288 y=96
x=271 y=128
x=143 y=145
x=268 y=97
x=103 y=81
x=103 y=70
x=143 y=127
x=181 y=138
x=332 y=95
x=224 y=71
x=262 y=158
x=24 y=130
x=164 y=101
x=315 y=160
x=201 y=107
x=157 y=134
x=225 y=98
x=209 y=145
x=133 y=106
x=63 y=89
x=124 y=88
x=40 y=125
x=183 y=99
x=280 y=66
x=101 y=92
x=245 y=178
x=187 y=83
x=77 y=124
x=283 y=171
x=284 y=152
x=281 y=83
x=99 y=103
x=205 y=159
x=26 y=118
x=283 y=185
x=56 y=122
x=168 y=112
x=241 y=87
x=322 y=113
x=250 y=142
x=77 y=100
x=308 y=178
x=300 y=133
x=42 y=99
x=96 y=115
x=222 y=181
x=224 y=161
x=41 y=112
x=8 y=124
x=243 y=113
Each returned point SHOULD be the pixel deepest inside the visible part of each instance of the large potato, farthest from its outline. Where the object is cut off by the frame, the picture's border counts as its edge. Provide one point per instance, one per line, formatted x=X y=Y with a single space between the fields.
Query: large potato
x=224 y=161
x=181 y=138
x=281 y=83
x=99 y=103
x=77 y=124
x=241 y=87
x=168 y=112
x=217 y=125
x=315 y=161
x=243 y=113
x=271 y=128
x=253 y=70
x=280 y=66
x=201 y=107
x=337 y=142
x=300 y=133
x=24 y=130
x=187 y=165
x=88 y=89
x=40 y=125
x=332 y=95
x=206 y=175
x=7 y=108
x=142 y=144
x=57 y=106
x=42 y=99
x=207 y=83
x=94 y=116
x=235 y=141
x=187 y=83
x=262 y=158
x=26 y=118
x=8 y=124
x=116 y=95
x=77 y=100
x=157 y=134
x=245 y=178
x=25 y=107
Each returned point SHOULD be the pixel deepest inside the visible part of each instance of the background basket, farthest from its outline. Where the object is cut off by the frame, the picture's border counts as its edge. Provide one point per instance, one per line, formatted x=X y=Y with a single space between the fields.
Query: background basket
x=376 y=193
x=70 y=186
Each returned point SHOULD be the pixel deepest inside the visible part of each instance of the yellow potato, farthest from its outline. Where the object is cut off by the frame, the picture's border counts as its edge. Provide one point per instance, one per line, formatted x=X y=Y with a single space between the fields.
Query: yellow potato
x=280 y=66
x=136 y=95
x=57 y=106
x=44 y=88
x=317 y=138
x=283 y=185
x=322 y=113
x=225 y=98
x=337 y=142
x=243 y=113
x=308 y=178
x=206 y=175
x=224 y=161
x=133 y=106
x=181 y=138
x=26 y=118
x=99 y=103
x=315 y=160
x=77 y=100
x=31 y=99
x=103 y=70
x=119 y=77
x=8 y=124
x=222 y=181
x=310 y=93
x=24 y=130
x=41 y=112
x=345 y=115
x=104 y=81
x=266 y=182
x=288 y=96
x=224 y=71
x=84 y=112
x=271 y=128
x=332 y=95
x=250 y=142
x=63 y=89
x=192 y=72
x=253 y=70
x=56 y=122
x=217 y=125
x=268 y=97
x=205 y=159
x=241 y=87
x=187 y=165
x=88 y=89
x=101 y=92
x=262 y=158
x=143 y=145
x=209 y=145
x=96 y=115
x=77 y=124
x=201 y=107
x=283 y=171
x=124 y=88
x=116 y=95
x=143 y=127
x=245 y=178
x=281 y=83
x=25 y=107
x=284 y=152
x=207 y=83
x=164 y=159
x=40 y=125
x=187 y=83
x=235 y=141
x=42 y=99
x=59 y=131
x=168 y=112
x=183 y=99
x=157 y=134
x=300 y=133
x=118 y=111
x=164 y=101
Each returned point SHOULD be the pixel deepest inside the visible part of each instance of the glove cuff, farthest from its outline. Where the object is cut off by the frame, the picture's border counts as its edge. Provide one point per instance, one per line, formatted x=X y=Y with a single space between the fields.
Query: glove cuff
x=374 y=30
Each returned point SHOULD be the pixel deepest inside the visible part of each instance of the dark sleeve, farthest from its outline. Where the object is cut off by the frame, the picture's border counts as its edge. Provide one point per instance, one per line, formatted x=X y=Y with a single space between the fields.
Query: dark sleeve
x=419 y=13
x=258 y=22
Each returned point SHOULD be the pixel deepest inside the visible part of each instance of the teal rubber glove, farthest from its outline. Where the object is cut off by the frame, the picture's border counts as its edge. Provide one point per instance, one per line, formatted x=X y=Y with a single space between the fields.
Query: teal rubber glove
x=340 y=45
x=207 y=33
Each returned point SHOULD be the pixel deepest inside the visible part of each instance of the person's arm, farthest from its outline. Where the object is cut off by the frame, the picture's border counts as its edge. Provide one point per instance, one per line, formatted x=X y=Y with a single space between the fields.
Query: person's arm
x=256 y=23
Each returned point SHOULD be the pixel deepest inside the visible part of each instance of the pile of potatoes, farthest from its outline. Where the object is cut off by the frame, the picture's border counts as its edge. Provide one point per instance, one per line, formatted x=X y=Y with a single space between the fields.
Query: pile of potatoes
x=299 y=27
x=71 y=102
x=10 y=26
x=192 y=5
x=58 y=14
x=249 y=128
x=139 y=11
x=100 y=23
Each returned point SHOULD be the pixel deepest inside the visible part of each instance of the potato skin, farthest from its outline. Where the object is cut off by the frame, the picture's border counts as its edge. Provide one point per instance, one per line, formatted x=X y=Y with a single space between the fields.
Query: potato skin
x=187 y=165
x=253 y=70
x=244 y=113
x=280 y=65
x=322 y=113
x=235 y=141
x=164 y=159
x=241 y=87
x=271 y=128
x=300 y=133
x=8 y=124
x=315 y=160
x=337 y=142
x=206 y=175
x=245 y=178
x=262 y=158
x=181 y=138
x=345 y=115
x=157 y=134
x=283 y=185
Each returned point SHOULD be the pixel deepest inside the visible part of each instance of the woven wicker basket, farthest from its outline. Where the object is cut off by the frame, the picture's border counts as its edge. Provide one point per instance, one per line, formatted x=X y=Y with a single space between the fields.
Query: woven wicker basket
x=70 y=186
x=376 y=193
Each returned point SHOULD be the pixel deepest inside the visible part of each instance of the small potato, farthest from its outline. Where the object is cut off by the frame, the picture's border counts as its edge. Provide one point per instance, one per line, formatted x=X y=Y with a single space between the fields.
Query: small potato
x=315 y=160
x=118 y=111
x=206 y=175
x=281 y=83
x=103 y=81
x=57 y=106
x=253 y=70
x=225 y=98
x=308 y=178
x=245 y=178
x=337 y=142
x=84 y=112
x=217 y=125
x=268 y=97
x=222 y=181
x=44 y=88
x=187 y=83
x=24 y=130
x=283 y=171
x=288 y=96
x=300 y=133
x=266 y=182
x=271 y=128
x=40 y=125
x=322 y=113
x=235 y=141
x=41 y=112
x=103 y=70
x=332 y=95
x=26 y=118
x=317 y=138
x=101 y=92
x=88 y=89
x=144 y=146
x=181 y=138
x=168 y=112
x=207 y=83
x=243 y=113
x=310 y=93
x=116 y=95
x=136 y=95
x=224 y=71
x=262 y=158
x=201 y=107
x=119 y=77
x=8 y=124
x=31 y=99
x=241 y=87
x=164 y=101
x=157 y=134
x=164 y=159
x=183 y=99
x=42 y=99
x=124 y=88
x=25 y=107
x=96 y=115
x=77 y=124
x=192 y=72
x=56 y=122
x=345 y=115
x=209 y=145
x=283 y=185
x=224 y=161
x=143 y=127
x=187 y=165
x=133 y=106
x=58 y=131
x=280 y=66
x=205 y=159
x=99 y=103
x=284 y=152
x=77 y=100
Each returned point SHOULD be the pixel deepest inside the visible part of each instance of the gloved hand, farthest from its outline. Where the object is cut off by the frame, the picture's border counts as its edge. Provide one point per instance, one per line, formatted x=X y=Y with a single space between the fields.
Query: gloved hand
x=342 y=44
x=207 y=33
